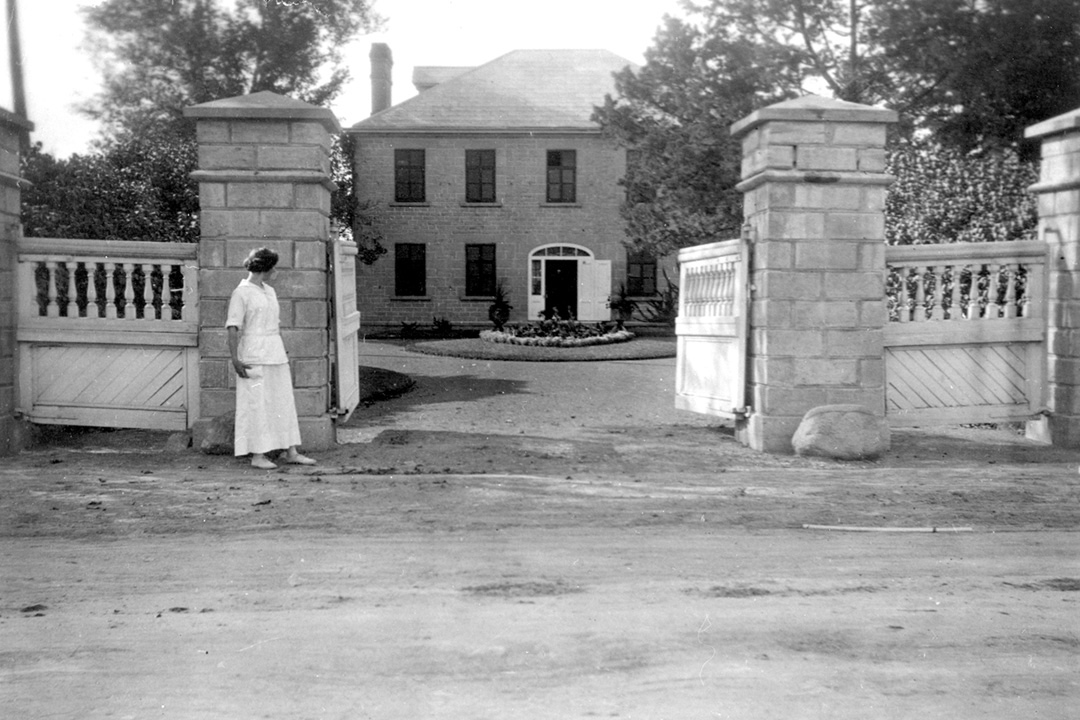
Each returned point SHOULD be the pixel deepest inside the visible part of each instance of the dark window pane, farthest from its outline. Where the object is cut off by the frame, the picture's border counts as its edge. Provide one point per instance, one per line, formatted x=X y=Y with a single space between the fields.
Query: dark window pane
x=561 y=176
x=480 y=269
x=640 y=274
x=479 y=176
x=409 y=176
x=410 y=269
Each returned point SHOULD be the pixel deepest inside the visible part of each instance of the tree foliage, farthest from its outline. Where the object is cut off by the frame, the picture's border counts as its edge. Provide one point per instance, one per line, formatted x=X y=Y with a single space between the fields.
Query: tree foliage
x=355 y=220
x=135 y=189
x=942 y=195
x=159 y=56
x=970 y=73
x=673 y=115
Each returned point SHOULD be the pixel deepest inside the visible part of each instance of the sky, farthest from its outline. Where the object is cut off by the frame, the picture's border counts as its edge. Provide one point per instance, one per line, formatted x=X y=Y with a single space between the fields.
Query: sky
x=59 y=72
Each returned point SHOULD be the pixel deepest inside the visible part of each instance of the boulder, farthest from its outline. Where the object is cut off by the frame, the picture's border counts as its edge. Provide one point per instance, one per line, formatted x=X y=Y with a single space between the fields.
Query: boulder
x=842 y=432
x=178 y=442
x=216 y=436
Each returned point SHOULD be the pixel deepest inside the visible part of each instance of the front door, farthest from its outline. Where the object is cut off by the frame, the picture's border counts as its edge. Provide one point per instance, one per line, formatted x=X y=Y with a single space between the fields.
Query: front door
x=561 y=286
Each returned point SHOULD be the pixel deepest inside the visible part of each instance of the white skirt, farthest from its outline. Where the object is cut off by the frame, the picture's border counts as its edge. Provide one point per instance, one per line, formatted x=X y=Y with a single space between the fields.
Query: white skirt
x=265 y=411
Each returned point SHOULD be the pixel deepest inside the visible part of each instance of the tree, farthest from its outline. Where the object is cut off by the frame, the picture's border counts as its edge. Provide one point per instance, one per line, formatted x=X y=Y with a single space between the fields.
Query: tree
x=136 y=189
x=361 y=222
x=973 y=72
x=159 y=56
x=673 y=115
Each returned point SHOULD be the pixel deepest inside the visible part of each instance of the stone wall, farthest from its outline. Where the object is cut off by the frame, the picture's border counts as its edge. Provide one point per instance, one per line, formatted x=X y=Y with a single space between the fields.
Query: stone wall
x=264 y=181
x=13 y=435
x=517 y=223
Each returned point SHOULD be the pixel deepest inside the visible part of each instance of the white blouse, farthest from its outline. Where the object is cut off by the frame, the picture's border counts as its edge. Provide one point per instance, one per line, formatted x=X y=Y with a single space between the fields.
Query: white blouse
x=255 y=312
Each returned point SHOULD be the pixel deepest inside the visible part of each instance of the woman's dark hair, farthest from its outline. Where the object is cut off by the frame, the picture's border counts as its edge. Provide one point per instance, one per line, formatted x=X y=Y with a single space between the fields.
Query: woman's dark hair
x=261 y=260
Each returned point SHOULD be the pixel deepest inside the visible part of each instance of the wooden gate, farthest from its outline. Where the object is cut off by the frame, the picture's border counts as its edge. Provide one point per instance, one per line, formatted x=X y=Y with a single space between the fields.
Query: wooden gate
x=711 y=328
x=966 y=337
x=108 y=333
x=345 y=353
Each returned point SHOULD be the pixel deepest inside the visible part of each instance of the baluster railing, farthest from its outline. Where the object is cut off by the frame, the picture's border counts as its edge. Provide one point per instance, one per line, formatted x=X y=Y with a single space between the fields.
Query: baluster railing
x=966 y=282
x=146 y=296
x=919 y=313
x=938 y=309
x=70 y=268
x=1010 y=291
x=52 y=298
x=93 y=310
x=110 y=290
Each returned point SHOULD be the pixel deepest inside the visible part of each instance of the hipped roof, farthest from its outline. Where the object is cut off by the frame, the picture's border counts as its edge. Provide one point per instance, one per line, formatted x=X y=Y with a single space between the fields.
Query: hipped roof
x=524 y=90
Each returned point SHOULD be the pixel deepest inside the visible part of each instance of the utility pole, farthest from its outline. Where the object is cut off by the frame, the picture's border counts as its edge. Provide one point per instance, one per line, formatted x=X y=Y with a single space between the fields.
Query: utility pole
x=18 y=88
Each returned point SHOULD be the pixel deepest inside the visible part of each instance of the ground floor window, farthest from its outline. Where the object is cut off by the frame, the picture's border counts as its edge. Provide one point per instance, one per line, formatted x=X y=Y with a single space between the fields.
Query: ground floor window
x=410 y=269
x=480 y=269
x=640 y=274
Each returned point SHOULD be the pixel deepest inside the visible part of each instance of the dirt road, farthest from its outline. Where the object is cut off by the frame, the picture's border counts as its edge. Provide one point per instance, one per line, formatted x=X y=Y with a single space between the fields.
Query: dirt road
x=590 y=558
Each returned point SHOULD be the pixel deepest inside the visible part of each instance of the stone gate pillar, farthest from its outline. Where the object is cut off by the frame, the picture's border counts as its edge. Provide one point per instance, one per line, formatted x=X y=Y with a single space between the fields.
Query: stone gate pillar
x=264 y=180
x=14 y=434
x=814 y=183
x=1058 y=191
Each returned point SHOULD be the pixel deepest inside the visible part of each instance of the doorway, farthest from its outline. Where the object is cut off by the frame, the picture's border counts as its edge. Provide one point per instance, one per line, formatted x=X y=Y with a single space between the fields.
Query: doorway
x=561 y=286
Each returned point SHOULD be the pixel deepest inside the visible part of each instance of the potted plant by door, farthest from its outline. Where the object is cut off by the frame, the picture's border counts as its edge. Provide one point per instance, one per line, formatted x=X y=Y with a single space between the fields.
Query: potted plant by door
x=499 y=310
x=622 y=305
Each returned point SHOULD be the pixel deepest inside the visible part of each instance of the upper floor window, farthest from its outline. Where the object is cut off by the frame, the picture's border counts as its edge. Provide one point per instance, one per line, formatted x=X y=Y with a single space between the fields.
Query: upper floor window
x=409 y=176
x=480 y=176
x=562 y=176
x=480 y=269
x=640 y=274
x=410 y=269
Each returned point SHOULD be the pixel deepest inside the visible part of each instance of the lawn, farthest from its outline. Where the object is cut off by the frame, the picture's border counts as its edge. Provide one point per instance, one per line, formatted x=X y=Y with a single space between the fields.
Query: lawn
x=476 y=349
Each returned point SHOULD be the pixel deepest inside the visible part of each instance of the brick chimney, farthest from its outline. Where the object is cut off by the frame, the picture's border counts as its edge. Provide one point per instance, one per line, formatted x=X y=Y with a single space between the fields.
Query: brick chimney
x=382 y=65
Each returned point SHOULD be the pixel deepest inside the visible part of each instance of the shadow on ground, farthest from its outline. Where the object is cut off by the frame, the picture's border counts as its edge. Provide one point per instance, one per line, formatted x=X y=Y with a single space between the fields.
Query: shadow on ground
x=385 y=392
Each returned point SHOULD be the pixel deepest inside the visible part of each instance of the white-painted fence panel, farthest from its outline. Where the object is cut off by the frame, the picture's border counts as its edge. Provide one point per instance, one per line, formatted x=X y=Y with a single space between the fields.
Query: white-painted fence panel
x=107 y=333
x=345 y=336
x=711 y=328
x=965 y=342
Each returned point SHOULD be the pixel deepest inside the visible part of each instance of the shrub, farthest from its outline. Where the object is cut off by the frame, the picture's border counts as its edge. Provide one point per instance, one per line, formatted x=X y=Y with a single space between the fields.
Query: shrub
x=942 y=195
x=557 y=333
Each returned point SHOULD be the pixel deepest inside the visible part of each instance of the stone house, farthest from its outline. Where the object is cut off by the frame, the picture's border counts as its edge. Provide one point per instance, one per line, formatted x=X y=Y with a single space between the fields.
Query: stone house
x=495 y=175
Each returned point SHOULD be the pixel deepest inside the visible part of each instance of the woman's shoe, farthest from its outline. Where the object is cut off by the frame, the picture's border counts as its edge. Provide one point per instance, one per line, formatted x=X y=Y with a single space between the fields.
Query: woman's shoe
x=262 y=463
x=299 y=459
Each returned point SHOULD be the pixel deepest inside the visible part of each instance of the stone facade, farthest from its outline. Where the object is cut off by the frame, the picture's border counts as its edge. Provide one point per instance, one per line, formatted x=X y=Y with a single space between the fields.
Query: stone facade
x=13 y=432
x=519 y=107
x=264 y=181
x=517 y=223
x=814 y=185
x=1058 y=191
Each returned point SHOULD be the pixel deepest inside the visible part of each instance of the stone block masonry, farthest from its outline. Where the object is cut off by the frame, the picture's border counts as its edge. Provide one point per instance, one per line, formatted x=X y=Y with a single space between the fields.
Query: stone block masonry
x=518 y=222
x=264 y=181
x=1058 y=190
x=814 y=185
x=14 y=433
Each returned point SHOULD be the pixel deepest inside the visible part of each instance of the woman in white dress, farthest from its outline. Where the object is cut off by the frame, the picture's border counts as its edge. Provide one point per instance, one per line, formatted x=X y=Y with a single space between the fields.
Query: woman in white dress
x=265 y=408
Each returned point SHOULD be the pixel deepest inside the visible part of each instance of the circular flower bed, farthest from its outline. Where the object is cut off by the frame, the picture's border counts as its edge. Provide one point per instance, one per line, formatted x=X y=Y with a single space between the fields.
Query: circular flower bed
x=557 y=333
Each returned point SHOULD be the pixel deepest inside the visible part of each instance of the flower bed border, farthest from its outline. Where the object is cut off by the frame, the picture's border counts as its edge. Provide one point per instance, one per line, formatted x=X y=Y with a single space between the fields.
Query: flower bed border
x=556 y=341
